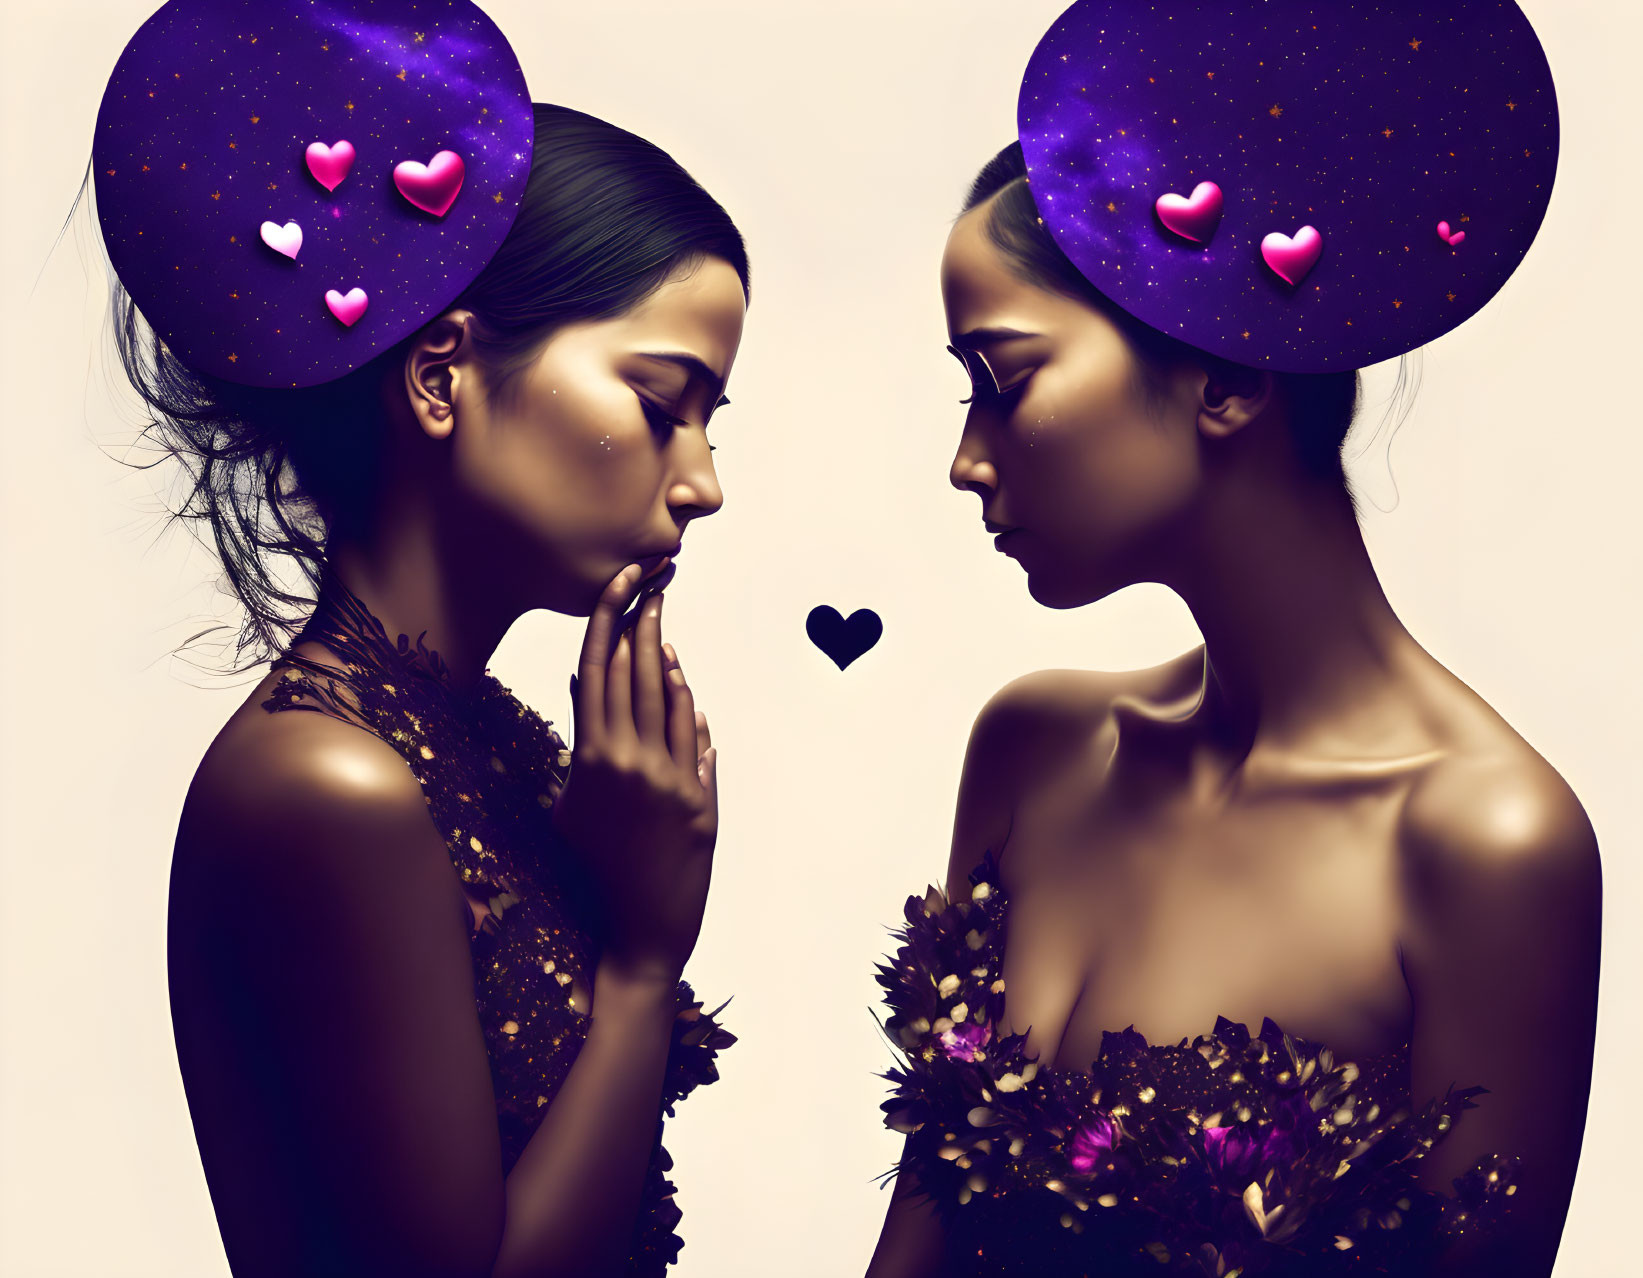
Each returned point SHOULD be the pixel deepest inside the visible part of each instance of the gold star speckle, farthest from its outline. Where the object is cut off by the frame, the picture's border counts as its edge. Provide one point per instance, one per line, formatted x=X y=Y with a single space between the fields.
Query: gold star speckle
x=255 y=118
x=1415 y=45
x=183 y=165
x=400 y=75
x=326 y=48
x=1386 y=133
x=418 y=37
x=1246 y=333
x=273 y=186
x=347 y=106
x=497 y=197
x=1450 y=296
x=1210 y=74
x=1275 y=110
x=1511 y=106
x=216 y=195
x=233 y=358
x=233 y=239
x=1112 y=206
x=110 y=172
x=1397 y=304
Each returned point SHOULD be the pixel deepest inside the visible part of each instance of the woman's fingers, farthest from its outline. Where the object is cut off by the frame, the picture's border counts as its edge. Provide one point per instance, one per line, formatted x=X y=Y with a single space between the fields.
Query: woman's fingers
x=649 y=688
x=707 y=771
x=681 y=713
x=619 y=691
x=596 y=654
x=704 y=737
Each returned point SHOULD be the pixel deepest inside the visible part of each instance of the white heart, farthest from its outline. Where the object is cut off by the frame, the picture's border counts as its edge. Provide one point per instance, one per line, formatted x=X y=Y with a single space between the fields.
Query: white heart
x=285 y=239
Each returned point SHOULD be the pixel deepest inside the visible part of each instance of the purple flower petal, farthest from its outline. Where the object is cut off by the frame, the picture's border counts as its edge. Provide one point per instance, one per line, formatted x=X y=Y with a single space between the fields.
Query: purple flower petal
x=1089 y=1143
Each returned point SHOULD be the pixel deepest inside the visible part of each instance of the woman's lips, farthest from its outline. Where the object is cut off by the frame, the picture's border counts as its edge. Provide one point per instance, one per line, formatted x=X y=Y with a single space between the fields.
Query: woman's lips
x=650 y=564
x=1000 y=540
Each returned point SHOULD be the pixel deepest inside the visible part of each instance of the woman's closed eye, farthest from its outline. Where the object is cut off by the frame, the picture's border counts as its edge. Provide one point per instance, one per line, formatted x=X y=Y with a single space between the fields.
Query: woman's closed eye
x=983 y=382
x=663 y=422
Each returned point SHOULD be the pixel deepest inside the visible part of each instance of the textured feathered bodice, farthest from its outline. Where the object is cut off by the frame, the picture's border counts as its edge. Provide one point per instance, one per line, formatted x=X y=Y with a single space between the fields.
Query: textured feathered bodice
x=490 y=771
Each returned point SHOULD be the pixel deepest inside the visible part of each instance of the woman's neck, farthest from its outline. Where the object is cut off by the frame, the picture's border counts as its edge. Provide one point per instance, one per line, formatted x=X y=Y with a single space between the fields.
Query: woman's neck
x=401 y=570
x=1301 y=645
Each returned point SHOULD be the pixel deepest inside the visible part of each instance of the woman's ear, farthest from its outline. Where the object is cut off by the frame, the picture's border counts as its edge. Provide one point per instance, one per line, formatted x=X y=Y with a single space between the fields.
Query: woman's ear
x=1230 y=396
x=432 y=372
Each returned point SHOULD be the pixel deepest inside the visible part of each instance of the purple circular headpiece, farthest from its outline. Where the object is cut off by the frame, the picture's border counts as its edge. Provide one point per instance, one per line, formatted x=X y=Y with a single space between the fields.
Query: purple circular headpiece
x=288 y=187
x=1303 y=185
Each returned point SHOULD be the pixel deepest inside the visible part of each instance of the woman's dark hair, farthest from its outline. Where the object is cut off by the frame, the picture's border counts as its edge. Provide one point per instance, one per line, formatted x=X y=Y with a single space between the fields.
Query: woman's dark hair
x=1322 y=405
x=607 y=218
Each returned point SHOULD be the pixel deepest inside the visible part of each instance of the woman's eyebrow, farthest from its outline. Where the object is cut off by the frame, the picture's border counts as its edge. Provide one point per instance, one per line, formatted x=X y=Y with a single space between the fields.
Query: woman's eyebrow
x=983 y=336
x=692 y=365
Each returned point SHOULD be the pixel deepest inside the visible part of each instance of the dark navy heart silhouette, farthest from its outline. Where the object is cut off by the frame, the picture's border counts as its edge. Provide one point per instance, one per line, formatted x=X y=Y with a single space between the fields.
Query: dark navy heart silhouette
x=843 y=639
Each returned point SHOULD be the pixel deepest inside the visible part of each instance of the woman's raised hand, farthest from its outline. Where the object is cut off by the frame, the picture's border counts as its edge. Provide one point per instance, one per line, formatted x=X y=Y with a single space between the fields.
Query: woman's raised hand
x=641 y=802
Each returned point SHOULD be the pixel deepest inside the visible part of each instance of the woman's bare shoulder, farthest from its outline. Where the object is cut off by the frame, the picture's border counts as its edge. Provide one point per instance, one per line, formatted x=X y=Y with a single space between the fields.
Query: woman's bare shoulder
x=1489 y=801
x=1495 y=815
x=299 y=786
x=1032 y=728
x=1042 y=708
x=1496 y=852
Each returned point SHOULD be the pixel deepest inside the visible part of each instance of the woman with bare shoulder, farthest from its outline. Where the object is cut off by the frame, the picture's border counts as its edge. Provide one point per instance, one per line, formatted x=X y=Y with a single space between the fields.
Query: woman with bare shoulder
x=451 y=356
x=1230 y=949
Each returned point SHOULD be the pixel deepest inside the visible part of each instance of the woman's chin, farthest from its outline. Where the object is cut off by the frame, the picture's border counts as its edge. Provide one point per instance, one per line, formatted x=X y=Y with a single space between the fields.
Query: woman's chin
x=1055 y=591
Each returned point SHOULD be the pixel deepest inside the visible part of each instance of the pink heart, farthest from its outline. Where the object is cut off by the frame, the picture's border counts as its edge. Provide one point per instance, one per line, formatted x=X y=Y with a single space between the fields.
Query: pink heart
x=285 y=239
x=1192 y=219
x=347 y=309
x=1457 y=238
x=432 y=186
x=1291 y=259
x=330 y=164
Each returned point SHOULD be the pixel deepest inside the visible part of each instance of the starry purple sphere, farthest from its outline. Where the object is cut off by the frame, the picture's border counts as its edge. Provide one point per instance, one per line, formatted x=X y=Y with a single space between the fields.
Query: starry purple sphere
x=203 y=136
x=1418 y=141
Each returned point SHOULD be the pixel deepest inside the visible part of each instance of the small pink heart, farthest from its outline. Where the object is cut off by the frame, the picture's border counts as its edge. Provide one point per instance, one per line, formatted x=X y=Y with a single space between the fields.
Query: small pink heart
x=1457 y=238
x=1192 y=219
x=330 y=164
x=432 y=186
x=285 y=239
x=347 y=309
x=1291 y=259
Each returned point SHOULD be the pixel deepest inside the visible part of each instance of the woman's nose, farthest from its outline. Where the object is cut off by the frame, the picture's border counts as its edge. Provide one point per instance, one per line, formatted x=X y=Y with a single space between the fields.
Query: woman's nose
x=972 y=472
x=695 y=489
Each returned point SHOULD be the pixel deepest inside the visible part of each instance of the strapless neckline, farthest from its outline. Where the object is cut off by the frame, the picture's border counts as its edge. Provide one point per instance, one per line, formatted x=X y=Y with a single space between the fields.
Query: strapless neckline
x=1245 y=1149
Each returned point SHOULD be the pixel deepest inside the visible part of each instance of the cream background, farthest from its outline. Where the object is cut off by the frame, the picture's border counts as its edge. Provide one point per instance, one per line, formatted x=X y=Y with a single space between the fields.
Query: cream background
x=841 y=136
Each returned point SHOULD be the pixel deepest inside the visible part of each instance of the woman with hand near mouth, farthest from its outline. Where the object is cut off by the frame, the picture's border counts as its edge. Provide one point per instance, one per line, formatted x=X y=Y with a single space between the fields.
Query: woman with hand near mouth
x=425 y=961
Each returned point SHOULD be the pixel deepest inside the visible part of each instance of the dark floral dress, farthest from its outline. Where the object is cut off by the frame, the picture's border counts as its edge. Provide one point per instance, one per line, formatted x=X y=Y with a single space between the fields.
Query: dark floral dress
x=1235 y=1154
x=490 y=770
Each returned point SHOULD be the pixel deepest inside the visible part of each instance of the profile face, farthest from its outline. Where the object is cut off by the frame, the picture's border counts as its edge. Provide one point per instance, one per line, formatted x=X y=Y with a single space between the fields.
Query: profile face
x=600 y=456
x=1090 y=473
